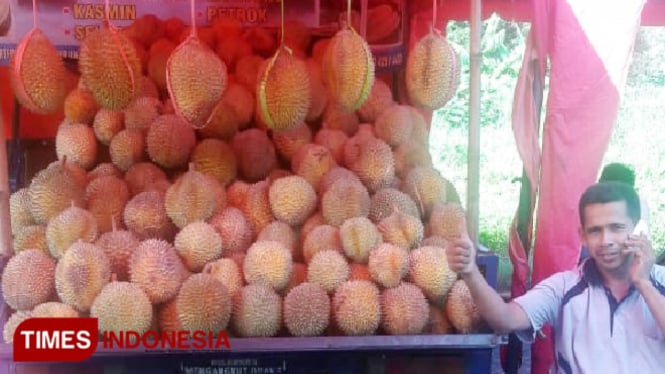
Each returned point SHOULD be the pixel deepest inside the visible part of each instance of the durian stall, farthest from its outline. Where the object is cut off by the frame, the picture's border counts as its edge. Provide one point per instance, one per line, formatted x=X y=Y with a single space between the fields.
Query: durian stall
x=260 y=168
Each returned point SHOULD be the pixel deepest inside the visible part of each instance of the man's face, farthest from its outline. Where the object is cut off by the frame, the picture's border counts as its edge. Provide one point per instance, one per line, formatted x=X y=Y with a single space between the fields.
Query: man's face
x=606 y=228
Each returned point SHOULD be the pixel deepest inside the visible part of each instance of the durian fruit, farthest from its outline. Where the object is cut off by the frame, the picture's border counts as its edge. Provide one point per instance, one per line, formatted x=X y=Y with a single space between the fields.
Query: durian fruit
x=447 y=221
x=246 y=71
x=157 y=269
x=142 y=174
x=118 y=245
x=262 y=40
x=380 y=98
x=227 y=272
x=318 y=92
x=215 y=158
x=255 y=153
x=203 y=304
x=145 y=216
x=107 y=124
x=158 y=56
x=257 y=206
x=38 y=75
x=269 y=262
x=402 y=230
x=170 y=141
x=298 y=276
x=31 y=237
x=313 y=221
x=283 y=91
x=191 y=198
x=167 y=317
x=110 y=67
x=81 y=274
x=356 y=201
x=426 y=187
x=329 y=269
x=19 y=210
x=77 y=143
x=332 y=176
x=257 y=311
x=288 y=142
x=374 y=165
x=409 y=155
x=429 y=270
x=28 y=279
x=141 y=113
x=334 y=141
x=292 y=199
x=394 y=125
x=234 y=229
x=104 y=169
x=54 y=309
x=197 y=244
x=384 y=202
x=122 y=306
x=357 y=308
x=320 y=238
x=461 y=310
x=388 y=264
x=336 y=117
x=438 y=323
x=283 y=233
x=359 y=272
x=348 y=68
x=12 y=323
x=71 y=225
x=359 y=236
x=196 y=79
x=232 y=113
x=127 y=148
x=80 y=106
x=307 y=310
x=432 y=71
x=107 y=197
x=312 y=162
x=53 y=190
x=405 y=310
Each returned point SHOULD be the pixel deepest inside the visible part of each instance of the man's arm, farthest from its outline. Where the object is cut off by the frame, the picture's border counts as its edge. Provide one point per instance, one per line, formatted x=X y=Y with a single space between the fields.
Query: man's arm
x=501 y=316
x=640 y=275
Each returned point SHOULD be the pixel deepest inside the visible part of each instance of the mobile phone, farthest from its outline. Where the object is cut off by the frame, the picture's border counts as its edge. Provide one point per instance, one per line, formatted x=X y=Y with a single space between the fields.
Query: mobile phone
x=641 y=228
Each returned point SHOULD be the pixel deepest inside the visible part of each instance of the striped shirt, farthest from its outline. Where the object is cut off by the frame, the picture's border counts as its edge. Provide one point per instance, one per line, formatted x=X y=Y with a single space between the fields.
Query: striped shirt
x=594 y=332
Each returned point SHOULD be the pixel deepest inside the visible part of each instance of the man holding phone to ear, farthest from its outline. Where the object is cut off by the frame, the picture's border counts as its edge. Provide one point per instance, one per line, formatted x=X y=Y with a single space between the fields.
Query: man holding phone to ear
x=608 y=315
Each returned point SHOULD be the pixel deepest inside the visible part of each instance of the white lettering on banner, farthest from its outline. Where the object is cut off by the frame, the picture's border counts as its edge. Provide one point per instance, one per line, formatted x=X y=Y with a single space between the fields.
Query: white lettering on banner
x=96 y=11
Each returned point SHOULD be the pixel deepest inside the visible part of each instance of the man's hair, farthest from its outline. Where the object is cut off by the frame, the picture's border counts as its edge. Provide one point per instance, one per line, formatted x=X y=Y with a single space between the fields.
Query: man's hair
x=617 y=172
x=609 y=192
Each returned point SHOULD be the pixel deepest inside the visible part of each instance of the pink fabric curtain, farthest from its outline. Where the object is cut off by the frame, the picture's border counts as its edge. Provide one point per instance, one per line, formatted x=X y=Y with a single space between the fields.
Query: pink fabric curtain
x=588 y=44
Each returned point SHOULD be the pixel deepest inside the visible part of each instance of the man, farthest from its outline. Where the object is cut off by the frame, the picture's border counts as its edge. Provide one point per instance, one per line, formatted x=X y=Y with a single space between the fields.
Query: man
x=608 y=315
x=618 y=172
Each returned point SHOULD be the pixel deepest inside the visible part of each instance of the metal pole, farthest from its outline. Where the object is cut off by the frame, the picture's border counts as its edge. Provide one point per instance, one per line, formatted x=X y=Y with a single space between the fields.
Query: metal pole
x=474 y=122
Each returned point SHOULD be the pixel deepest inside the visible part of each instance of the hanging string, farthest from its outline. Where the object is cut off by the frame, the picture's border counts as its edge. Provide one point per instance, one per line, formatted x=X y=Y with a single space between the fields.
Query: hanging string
x=348 y=14
x=192 y=17
x=281 y=42
x=34 y=13
x=107 y=11
x=434 y=14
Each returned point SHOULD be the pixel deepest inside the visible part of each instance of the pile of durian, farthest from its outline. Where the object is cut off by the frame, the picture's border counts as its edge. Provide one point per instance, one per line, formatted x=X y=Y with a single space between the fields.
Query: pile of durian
x=224 y=180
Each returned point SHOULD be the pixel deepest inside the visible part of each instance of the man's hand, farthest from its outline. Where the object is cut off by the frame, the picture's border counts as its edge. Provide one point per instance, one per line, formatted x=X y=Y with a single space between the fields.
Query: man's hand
x=643 y=258
x=461 y=255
